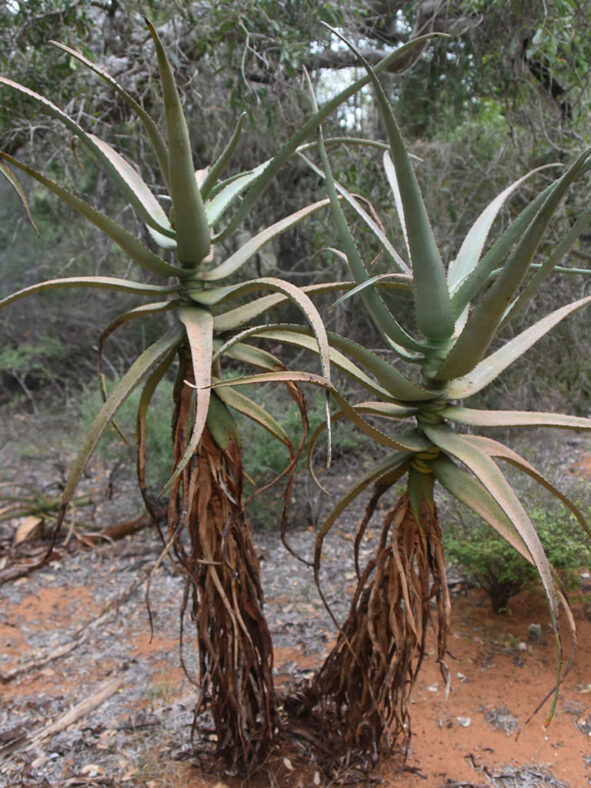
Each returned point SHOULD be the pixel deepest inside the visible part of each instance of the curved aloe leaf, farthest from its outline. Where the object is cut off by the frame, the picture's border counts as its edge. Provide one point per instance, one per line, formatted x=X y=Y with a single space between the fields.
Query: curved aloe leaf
x=239 y=316
x=362 y=213
x=131 y=314
x=434 y=314
x=152 y=129
x=228 y=191
x=283 y=333
x=255 y=412
x=13 y=181
x=135 y=189
x=489 y=474
x=495 y=449
x=300 y=299
x=252 y=246
x=480 y=275
x=400 y=281
x=190 y=221
x=483 y=323
x=98 y=282
x=546 y=268
x=306 y=129
x=392 y=467
x=493 y=365
x=473 y=244
x=386 y=410
x=377 y=309
x=476 y=497
x=218 y=167
x=139 y=371
x=412 y=441
x=198 y=325
x=124 y=175
x=125 y=240
x=253 y=356
x=514 y=418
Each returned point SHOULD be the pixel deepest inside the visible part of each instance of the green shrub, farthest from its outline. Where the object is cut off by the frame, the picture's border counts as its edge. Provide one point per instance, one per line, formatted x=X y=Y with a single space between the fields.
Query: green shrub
x=492 y=564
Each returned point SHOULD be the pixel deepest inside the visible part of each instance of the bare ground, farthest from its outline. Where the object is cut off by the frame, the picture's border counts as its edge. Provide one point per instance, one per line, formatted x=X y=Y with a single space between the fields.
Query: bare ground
x=91 y=697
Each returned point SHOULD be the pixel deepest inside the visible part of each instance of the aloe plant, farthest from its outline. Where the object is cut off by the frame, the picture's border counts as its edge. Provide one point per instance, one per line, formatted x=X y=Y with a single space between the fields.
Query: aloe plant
x=208 y=536
x=459 y=310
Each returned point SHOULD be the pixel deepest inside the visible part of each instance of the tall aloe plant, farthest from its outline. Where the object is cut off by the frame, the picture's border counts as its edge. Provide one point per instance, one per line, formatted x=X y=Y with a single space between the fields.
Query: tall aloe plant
x=459 y=311
x=208 y=535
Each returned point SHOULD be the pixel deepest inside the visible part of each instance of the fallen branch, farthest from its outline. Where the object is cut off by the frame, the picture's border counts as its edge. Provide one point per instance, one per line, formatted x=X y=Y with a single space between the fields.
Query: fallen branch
x=81 y=710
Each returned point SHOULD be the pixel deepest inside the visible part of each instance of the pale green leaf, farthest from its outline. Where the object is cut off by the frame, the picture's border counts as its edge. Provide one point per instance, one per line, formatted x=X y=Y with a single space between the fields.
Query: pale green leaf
x=152 y=129
x=514 y=418
x=497 y=362
x=190 y=220
x=254 y=244
x=98 y=282
x=198 y=324
x=151 y=358
x=255 y=412
x=13 y=181
x=218 y=167
x=134 y=248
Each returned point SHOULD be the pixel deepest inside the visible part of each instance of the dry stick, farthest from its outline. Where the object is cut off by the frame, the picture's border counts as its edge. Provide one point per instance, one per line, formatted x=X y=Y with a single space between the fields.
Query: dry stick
x=80 y=636
x=89 y=704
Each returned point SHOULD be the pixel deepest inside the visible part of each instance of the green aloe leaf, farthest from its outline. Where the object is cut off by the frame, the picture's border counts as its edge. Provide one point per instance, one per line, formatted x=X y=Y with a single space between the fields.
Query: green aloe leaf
x=255 y=412
x=411 y=441
x=362 y=213
x=128 y=180
x=190 y=220
x=98 y=282
x=138 y=372
x=250 y=355
x=483 y=323
x=469 y=491
x=391 y=468
x=225 y=193
x=252 y=246
x=489 y=474
x=219 y=166
x=495 y=449
x=546 y=268
x=221 y=423
x=198 y=325
x=400 y=282
x=135 y=189
x=283 y=333
x=239 y=316
x=497 y=362
x=134 y=248
x=433 y=309
x=309 y=127
x=514 y=418
x=473 y=244
x=152 y=129
x=13 y=181
x=390 y=329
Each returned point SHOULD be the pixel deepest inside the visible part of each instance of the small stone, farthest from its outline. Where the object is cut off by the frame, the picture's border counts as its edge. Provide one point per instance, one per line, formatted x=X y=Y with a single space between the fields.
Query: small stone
x=522 y=646
x=465 y=722
x=534 y=632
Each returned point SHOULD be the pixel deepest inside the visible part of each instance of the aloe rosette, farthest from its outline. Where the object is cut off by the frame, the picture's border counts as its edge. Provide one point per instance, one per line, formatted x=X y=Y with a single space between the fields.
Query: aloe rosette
x=459 y=311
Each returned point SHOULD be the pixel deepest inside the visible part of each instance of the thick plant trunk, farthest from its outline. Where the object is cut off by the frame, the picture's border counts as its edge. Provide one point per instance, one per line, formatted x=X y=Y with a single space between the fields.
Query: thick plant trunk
x=362 y=690
x=212 y=542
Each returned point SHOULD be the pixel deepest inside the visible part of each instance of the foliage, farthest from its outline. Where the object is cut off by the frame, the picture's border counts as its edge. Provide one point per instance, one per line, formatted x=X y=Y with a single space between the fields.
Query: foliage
x=491 y=563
